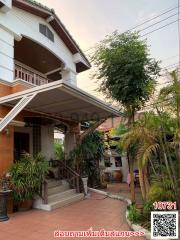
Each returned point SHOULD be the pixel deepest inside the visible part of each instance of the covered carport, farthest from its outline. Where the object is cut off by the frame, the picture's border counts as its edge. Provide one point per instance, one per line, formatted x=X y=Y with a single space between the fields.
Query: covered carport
x=59 y=101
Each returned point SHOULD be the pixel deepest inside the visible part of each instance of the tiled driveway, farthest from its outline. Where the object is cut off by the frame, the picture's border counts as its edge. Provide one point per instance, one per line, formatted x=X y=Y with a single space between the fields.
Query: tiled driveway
x=97 y=212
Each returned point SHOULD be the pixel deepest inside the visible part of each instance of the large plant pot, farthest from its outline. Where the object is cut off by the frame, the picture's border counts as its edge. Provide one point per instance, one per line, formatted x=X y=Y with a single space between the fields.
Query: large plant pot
x=25 y=205
x=3 y=205
x=85 y=184
x=107 y=177
x=103 y=185
x=117 y=175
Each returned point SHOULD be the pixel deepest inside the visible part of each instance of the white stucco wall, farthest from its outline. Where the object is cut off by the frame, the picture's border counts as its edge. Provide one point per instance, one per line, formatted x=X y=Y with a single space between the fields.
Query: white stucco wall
x=124 y=169
x=6 y=55
x=47 y=141
x=21 y=23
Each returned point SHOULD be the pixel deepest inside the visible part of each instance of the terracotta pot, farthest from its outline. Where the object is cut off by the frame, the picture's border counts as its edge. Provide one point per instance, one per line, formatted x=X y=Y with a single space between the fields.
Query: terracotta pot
x=25 y=205
x=103 y=185
x=106 y=177
x=117 y=175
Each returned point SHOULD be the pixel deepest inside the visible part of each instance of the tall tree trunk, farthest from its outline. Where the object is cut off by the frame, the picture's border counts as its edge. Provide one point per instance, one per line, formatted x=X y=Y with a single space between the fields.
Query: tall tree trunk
x=131 y=119
x=142 y=183
x=146 y=181
x=132 y=187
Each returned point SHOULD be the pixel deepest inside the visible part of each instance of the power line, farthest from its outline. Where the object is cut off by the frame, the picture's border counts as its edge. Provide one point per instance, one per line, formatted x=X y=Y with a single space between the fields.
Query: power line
x=159 y=28
x=165 y=59
x=144 y=23
x=151 y=19
x=170 y=65
x=158 y=22
x=155 y=30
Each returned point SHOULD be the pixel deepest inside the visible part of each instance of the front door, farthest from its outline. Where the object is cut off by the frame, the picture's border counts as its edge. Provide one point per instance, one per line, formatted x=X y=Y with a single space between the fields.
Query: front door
x=21 y=144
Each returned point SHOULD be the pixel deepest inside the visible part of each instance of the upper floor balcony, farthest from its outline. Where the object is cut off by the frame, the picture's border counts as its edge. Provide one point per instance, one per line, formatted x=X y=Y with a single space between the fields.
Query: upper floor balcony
x=35 y=64
x=29 y=75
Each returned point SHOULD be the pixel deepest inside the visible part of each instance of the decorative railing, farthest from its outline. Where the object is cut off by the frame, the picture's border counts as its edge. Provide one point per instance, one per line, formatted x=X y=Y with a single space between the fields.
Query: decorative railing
x=65 y=172
x=72 y=177
x=29 y=75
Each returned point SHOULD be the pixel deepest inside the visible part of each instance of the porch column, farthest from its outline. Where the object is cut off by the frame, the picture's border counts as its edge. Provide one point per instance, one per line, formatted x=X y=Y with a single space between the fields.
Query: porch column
x=69 y=76
x=47 y=141
x=71 y=139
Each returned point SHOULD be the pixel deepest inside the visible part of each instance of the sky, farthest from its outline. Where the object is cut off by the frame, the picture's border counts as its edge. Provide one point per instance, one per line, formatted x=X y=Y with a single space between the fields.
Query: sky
x=89 y=21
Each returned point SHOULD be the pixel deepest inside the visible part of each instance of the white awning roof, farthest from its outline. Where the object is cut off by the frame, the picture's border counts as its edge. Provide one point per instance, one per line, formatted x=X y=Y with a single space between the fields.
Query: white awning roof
x=60 y=99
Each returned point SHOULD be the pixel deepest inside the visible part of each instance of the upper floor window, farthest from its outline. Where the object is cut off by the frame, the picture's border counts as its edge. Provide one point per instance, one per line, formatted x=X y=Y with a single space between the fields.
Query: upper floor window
x=46 y=32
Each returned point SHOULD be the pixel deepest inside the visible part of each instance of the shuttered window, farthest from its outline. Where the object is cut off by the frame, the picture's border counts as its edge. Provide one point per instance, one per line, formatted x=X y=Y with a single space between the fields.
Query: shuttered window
x=46 y=32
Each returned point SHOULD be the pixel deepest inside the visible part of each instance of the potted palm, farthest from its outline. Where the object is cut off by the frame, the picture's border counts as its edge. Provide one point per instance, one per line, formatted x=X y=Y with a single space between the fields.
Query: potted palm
x=27 y=176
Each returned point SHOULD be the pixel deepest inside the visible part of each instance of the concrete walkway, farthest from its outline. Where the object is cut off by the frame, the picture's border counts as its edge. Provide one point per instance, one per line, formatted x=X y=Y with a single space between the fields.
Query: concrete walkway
x=122 y=189
x=98 y=212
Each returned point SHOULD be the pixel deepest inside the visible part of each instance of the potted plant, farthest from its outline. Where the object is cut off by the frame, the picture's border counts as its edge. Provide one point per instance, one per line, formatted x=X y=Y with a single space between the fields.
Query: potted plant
x=4 y=194
x=27 y=176
x=84 y=177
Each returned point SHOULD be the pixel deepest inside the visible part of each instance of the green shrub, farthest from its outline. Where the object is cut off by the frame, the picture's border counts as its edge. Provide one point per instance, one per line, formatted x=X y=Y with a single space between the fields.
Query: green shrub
x=27 y=176
x=134 y=214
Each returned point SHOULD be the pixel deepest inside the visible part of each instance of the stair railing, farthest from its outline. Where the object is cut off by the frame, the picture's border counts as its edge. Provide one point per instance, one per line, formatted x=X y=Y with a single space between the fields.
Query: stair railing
x=65 y=172
x=44 y=191
x=72 y=177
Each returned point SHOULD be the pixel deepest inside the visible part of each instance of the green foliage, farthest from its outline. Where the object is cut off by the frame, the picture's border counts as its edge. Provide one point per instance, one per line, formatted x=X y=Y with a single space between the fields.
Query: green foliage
x=27 y=176
x=161 y=188
x=92 y=147
x=119 y=131
x=155 y=139
x=142 y=216
x=126 y=71
x=59 y=151
x=169 y=96
x=134 y=214
x=88 y=154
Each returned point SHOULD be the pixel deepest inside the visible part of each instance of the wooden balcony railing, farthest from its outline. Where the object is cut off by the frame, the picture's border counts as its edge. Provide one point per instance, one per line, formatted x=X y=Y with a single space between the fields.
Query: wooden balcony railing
x=29 y=75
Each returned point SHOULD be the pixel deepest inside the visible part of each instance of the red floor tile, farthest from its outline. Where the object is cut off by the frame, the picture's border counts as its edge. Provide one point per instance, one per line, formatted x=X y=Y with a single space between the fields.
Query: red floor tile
x=105 y=213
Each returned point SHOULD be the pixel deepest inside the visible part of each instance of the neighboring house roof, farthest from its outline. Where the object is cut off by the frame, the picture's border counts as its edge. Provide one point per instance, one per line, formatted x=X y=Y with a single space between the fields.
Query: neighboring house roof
x=40 y=10
x=110 y=123
x=114 y=122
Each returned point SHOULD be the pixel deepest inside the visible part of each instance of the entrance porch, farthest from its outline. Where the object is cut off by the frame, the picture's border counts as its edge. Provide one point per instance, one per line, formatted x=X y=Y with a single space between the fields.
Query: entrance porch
x=28 y=127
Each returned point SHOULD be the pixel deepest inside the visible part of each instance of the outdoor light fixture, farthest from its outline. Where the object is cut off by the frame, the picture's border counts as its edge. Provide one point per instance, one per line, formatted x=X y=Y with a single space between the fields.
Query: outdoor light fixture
x=7 y=131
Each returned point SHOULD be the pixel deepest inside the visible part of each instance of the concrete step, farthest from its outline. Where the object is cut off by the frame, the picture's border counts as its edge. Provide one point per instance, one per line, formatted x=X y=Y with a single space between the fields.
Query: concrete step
x=58 y=189
x=38 y=203
x=66 y=201
x=58 y=196
x=54 y=183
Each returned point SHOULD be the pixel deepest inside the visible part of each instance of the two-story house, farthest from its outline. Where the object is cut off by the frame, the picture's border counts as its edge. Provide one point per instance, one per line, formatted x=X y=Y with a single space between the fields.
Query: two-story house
x=39 y=63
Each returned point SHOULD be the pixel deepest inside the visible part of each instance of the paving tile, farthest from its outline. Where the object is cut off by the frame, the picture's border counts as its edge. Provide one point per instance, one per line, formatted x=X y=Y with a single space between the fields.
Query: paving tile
x=105 y=213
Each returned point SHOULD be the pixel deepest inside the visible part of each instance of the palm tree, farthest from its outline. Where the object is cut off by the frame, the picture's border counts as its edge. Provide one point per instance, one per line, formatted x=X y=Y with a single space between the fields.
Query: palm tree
x=144 y=142
x=151 y=148
x=170 y=96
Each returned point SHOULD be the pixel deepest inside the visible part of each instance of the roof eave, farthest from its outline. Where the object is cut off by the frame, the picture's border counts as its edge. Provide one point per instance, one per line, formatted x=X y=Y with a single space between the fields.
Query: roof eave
x=44 y=12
